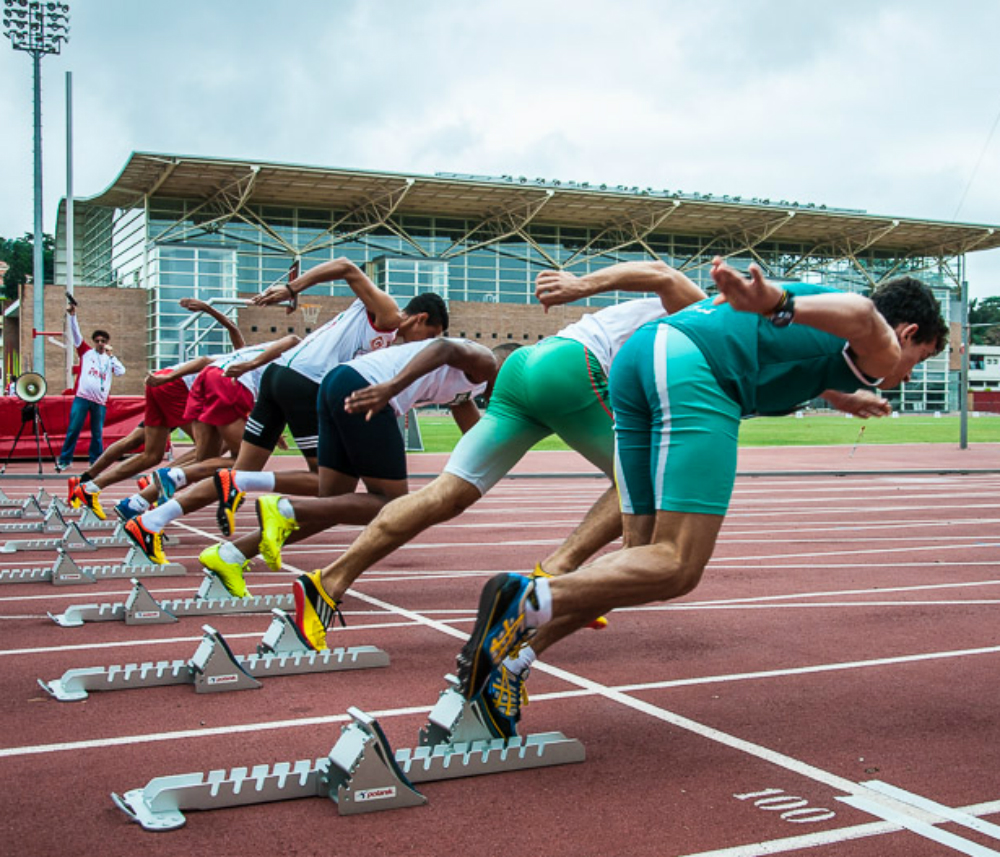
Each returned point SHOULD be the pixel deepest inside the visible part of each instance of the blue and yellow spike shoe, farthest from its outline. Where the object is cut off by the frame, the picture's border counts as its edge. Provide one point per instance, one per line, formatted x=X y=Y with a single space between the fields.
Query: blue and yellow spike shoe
x=275 y=528
x=598 y=624
x=501 y=701
x=501 y=626
x=230 y=573
x=315 y=611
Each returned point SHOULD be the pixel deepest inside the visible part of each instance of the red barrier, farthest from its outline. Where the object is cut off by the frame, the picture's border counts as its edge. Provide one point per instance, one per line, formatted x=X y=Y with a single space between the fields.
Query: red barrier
x=124 y=414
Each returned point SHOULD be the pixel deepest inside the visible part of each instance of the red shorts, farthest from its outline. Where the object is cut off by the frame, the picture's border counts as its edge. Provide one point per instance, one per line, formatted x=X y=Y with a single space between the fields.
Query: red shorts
x=165 y=404
x=217 y=400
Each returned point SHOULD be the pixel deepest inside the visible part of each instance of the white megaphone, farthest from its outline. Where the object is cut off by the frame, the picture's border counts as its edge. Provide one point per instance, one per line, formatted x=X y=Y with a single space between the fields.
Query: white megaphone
x=30 y=387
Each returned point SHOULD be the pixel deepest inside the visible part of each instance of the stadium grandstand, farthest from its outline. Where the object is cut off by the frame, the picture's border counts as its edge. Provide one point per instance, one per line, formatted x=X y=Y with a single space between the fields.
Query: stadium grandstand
x=171 y=226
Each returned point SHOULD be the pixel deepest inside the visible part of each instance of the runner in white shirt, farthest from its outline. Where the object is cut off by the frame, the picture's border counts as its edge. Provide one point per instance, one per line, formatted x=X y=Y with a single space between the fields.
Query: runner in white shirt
x=360 y=441
x=93 y=386
x=288 y=390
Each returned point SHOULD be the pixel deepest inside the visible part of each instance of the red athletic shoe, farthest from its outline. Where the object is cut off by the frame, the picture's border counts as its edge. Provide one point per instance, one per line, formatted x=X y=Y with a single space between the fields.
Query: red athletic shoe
x=72 y=483
x=230 y=499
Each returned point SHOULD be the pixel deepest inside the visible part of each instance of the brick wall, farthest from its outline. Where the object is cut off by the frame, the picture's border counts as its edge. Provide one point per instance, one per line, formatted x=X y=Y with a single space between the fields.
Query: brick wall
x=122 y=312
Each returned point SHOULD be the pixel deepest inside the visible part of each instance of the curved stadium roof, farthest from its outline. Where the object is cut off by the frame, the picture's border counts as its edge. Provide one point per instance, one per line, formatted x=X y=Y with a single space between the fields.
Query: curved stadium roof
x=550 y=201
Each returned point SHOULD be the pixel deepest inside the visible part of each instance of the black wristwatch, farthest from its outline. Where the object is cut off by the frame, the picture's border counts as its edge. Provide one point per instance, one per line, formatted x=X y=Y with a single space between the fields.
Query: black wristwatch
x=784 y=312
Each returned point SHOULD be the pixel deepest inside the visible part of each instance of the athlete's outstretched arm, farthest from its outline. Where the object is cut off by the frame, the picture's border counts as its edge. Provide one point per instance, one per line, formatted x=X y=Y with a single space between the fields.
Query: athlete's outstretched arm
x=477 y=362
x=235 y=334
x=383 y=309
x=676 y=290
x=273 y=351
x=847 y=315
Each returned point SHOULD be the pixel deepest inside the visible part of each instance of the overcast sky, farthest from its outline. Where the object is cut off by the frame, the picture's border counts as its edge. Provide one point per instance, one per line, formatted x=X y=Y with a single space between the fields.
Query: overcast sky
x=888 y=106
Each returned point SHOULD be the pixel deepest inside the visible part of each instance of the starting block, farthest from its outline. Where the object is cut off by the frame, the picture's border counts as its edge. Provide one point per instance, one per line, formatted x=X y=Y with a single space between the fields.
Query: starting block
x=52 y=522
x=361 y=773
x=73 y=539
x=24 y=510
x=140 y=608
x=66 y=571
x=213 y=668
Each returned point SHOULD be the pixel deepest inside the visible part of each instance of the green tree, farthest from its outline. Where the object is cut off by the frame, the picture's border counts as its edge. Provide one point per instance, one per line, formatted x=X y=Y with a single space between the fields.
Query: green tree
x=986 y=313
x=18 y=253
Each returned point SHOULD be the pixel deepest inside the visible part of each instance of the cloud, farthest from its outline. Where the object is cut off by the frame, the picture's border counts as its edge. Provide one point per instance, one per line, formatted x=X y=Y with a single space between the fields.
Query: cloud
x=878 y=106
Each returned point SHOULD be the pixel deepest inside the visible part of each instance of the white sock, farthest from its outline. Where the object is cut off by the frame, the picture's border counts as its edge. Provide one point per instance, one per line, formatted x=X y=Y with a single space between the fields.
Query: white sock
x=517 y=664
x=177 y=477
x=138 y=503
x=286 y=508
x=228 y=552
x=156 y=519
x=250 y=480
x=540 y=612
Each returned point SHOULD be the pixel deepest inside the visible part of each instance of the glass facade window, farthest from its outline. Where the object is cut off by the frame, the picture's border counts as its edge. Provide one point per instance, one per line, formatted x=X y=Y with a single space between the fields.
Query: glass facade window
x=176 y=248
x=205 y=273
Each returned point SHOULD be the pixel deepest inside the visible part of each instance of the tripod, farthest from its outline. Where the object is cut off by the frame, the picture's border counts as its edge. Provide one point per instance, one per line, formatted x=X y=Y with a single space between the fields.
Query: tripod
x=30 y=413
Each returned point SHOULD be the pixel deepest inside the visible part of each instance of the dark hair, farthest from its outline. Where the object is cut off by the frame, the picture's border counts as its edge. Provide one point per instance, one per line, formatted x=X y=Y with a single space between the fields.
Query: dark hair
x=432 y=304
x=906 y=300
x=103 y=333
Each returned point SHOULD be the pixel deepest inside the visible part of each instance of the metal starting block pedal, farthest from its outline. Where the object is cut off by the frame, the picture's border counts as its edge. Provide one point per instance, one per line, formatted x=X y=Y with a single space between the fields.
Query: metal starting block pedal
x=212 y=669
x=361 y=773
x=66 y=571
x=140 y=608
x=73 y=539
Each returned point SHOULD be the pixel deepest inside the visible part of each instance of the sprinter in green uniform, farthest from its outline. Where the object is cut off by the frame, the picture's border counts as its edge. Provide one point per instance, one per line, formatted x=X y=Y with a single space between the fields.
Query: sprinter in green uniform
x=678 y=389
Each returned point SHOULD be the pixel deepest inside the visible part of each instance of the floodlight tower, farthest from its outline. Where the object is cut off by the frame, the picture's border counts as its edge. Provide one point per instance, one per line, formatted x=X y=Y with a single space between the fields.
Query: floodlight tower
x=38 y=28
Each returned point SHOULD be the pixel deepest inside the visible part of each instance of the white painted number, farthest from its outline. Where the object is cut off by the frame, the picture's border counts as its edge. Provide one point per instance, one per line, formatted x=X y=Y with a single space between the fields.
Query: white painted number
x=792 y=808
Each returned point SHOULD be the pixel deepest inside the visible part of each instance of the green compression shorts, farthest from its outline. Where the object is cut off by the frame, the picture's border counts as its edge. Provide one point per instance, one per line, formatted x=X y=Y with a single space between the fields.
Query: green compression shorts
x=554 y=387
x=676 y=431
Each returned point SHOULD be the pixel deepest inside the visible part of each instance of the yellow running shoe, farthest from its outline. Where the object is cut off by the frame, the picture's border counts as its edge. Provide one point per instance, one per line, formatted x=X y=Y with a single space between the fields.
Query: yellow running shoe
x=230 y=573
x=598 y=624
x=90 y=499
x=275 y=529
x=315 y=611
x=149 y=542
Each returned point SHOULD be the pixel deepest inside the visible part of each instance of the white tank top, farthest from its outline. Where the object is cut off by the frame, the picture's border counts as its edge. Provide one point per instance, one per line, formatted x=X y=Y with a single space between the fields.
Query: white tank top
x=344 y=337
x=444 y=386
x=604 y=332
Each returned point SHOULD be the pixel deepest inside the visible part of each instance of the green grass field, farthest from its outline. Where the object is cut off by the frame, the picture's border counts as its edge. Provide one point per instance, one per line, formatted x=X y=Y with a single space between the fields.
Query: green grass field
x=440 y=434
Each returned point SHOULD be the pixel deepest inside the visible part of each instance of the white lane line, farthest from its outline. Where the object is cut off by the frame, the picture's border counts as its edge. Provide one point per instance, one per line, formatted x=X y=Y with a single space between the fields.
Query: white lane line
x=946 y=812
x=921 y=828
x=807 y=670
x=840 y=593
x=826 y=837
x=758 y=751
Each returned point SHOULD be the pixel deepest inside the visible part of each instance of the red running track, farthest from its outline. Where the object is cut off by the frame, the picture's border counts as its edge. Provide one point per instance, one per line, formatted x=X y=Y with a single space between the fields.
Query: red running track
x=845 y=635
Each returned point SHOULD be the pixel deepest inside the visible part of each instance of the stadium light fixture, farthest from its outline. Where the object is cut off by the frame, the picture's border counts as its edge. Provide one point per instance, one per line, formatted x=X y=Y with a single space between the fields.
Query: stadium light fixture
x=38 y=29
